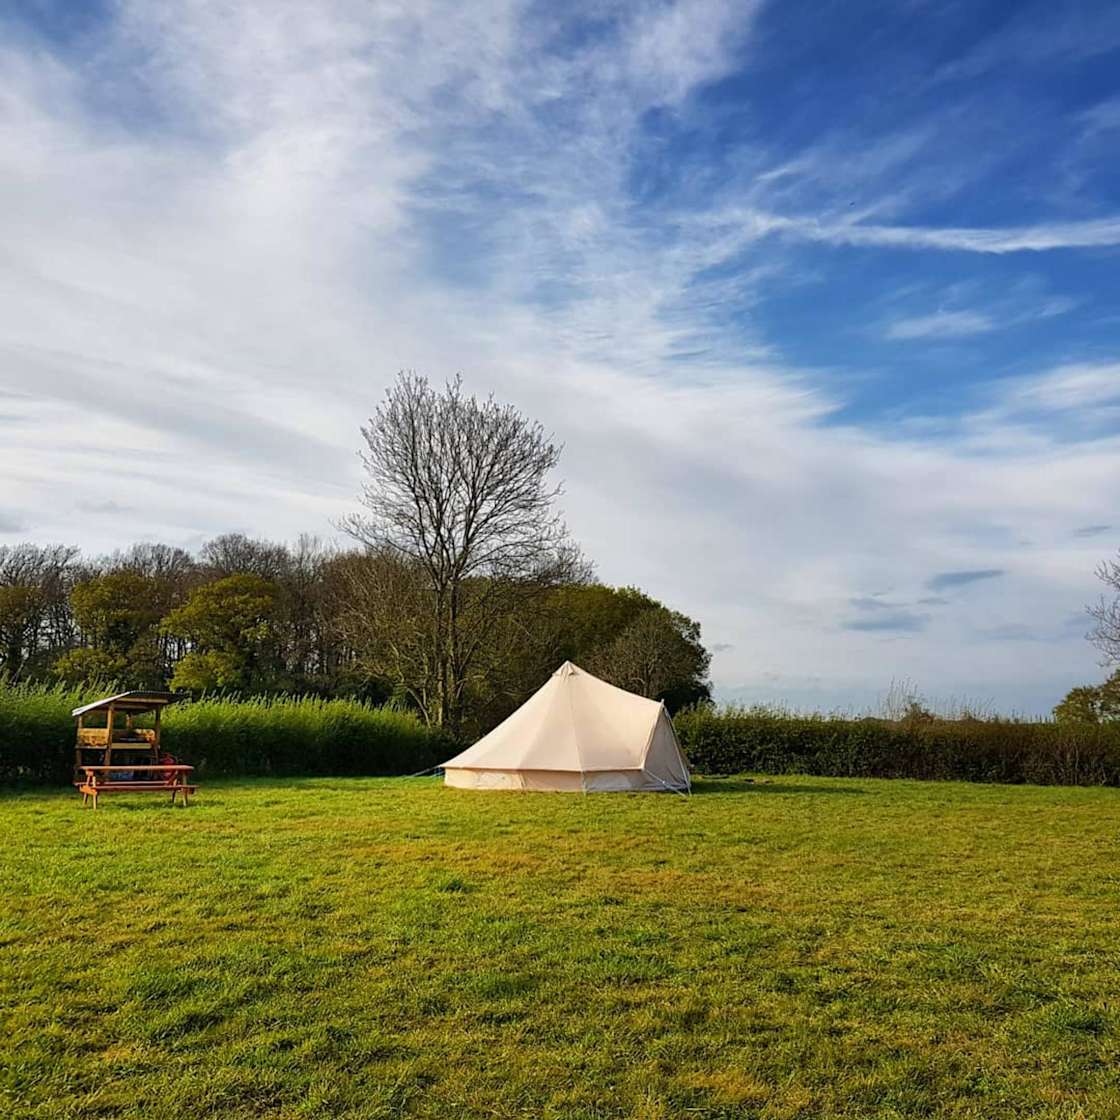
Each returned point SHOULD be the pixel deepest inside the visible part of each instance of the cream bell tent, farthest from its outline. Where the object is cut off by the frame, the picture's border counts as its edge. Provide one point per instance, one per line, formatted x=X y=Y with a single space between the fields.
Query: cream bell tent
x=576 y=733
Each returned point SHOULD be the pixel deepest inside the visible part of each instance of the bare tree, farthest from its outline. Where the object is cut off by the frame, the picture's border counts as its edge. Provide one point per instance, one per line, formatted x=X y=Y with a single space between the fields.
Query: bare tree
x=154 y=561
x=1105 y=634
x=382 y=610
x=303 y=584
x=35 y=621
x=234 y=554
x=461 y=517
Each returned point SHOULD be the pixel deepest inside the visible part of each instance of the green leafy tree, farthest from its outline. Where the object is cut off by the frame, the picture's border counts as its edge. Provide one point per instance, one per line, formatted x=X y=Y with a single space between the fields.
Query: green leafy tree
x=170 y=573
x=86 y=666
x=118 y=615
x=114 y=611
x=579 y=623
x=214 y=670
x=1091 y=703
x=658 y=655
x=230 y=625
x=586 y=616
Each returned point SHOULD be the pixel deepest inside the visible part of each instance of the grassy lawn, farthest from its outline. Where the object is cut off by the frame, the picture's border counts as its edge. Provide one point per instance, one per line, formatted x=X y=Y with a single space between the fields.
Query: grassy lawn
x=803 y=947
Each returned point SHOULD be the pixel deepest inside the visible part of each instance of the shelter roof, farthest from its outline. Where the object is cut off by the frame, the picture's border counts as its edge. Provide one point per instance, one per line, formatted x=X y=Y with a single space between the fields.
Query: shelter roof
x=134 y=701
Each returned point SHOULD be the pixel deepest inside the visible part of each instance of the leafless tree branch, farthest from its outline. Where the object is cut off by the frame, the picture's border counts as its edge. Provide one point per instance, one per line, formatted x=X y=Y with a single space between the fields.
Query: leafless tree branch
x=460 y=526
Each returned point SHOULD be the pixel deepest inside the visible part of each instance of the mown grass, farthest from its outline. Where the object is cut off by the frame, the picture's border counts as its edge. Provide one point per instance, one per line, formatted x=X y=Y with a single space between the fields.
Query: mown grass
x=802 y=947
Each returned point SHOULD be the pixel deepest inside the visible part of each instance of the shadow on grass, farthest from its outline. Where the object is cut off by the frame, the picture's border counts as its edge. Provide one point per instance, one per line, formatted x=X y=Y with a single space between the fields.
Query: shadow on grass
x=708 y=786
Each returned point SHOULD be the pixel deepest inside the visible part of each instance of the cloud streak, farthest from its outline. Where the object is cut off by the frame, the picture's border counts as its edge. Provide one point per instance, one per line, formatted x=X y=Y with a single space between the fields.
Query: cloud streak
x=942 y=324
x=943 y=581
x=1094 y=234
x=896 y=622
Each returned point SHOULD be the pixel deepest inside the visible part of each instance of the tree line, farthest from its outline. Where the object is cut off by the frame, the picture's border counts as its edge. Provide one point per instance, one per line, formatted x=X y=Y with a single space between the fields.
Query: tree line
x=460 y=593
x=257 y=616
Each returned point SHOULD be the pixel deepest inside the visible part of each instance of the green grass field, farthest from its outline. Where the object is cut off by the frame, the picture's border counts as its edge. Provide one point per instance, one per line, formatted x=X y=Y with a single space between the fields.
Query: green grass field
x=380 y=948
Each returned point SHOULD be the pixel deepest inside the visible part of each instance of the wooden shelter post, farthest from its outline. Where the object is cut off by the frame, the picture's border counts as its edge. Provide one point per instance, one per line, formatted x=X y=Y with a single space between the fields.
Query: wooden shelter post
x=109 y=739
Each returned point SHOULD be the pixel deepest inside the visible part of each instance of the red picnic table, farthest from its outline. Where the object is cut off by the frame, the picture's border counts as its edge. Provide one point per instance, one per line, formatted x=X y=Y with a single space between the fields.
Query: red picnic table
x=164 y=779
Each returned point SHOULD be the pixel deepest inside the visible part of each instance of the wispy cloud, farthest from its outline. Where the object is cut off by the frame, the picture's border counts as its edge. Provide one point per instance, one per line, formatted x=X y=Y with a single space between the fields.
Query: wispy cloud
x=1102 y=117
x=942 y=324
x=1092 y=530
x=871 y=603
x=901 y=622
x=1096 y=233
x=1065 y=35
x=943 y=581
x=1075 y=386
x=1010 y=310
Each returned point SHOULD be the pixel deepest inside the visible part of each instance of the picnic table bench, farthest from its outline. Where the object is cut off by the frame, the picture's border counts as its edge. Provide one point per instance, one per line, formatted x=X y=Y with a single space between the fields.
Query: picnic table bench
x=164 y=778
x=111 y=758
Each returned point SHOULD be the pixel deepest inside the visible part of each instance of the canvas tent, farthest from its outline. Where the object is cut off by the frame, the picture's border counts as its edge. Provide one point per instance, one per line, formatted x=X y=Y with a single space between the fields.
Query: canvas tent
x=579 y=734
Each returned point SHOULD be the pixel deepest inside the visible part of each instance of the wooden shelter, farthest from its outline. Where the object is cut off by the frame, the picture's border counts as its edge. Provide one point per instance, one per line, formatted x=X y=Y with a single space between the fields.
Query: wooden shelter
x=121 y=757
x=120 y=740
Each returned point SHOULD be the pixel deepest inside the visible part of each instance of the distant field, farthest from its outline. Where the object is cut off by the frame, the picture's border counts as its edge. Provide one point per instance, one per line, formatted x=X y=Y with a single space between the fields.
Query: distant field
x=387 y=947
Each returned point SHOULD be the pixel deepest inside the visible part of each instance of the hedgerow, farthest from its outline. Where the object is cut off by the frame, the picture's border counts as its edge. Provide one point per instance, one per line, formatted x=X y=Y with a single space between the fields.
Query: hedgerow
x=278 y=735
x=737 y=740
x=223 y=735
x=301 y=735
x=37 y=732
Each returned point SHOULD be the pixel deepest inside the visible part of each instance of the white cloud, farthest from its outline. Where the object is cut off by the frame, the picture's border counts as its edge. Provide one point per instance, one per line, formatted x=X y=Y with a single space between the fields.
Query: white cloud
x=1104 y=117
x=684 y=44
x=1008 y=310
x=204 y=292
x=942 y=324
x=1097 y=233
x=1079 y=386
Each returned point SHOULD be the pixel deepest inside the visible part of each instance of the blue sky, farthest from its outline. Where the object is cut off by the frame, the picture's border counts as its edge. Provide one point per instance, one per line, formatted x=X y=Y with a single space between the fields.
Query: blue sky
x=820 y=297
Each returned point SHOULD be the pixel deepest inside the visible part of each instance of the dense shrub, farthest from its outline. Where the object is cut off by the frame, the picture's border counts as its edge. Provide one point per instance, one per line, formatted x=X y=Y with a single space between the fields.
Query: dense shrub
x=224 y=736
x=37 y=732
x=300 y=735
x=734 y=740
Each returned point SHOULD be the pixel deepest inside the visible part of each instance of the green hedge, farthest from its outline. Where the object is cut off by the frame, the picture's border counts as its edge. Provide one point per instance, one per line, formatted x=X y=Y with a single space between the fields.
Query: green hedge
x=300 y=735
x=738 y=740
x=36 y=732
x=224 y=736
x=309 y=735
